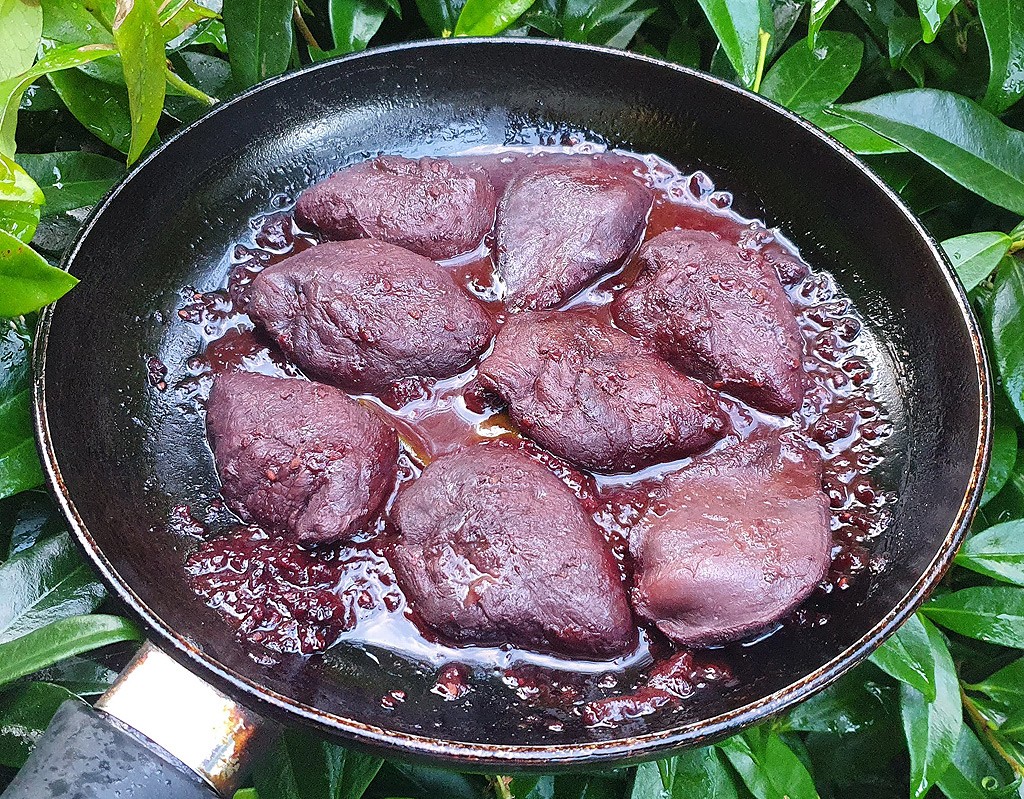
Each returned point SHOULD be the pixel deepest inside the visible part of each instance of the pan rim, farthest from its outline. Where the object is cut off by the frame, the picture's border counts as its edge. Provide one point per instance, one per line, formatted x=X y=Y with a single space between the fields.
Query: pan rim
x=536 y=757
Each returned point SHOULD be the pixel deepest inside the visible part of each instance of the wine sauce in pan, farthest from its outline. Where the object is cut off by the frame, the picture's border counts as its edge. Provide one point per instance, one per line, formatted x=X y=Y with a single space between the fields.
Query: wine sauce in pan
x=283 y=598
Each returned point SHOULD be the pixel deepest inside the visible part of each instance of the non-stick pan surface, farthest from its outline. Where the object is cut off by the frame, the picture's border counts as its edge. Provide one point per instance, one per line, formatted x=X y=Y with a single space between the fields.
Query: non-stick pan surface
x=121 y=454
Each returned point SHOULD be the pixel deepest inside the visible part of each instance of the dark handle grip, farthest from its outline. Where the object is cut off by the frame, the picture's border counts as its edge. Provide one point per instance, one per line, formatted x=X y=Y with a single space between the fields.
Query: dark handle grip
x=84 y=754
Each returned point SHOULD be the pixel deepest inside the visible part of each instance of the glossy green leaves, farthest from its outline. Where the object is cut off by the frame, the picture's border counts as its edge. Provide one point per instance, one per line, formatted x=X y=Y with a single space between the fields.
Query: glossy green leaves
x=27 y=282
x=305 y=767
x=701 y=773
x=354 y=22
x=1003 y=23
x=932 y=725
x=61 y=639
x=997 y=552
x=19 y=465
x=259 y=35
x=21 y=25
x=1007 y=319
x=909 y=656
x=140 y=42
x=488 y=17
x=767 y=766
x=953 y=134
x=976 y=255
x=20 y=199
x=45 y=583
x=989 y=613
x=12 y=89
x=738 y=25
x=71 y=180
x=806 y=80
x=933 y=13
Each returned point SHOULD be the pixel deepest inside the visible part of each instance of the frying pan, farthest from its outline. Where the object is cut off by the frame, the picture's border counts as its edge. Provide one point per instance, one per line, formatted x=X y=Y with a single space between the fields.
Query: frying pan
x=120 y=454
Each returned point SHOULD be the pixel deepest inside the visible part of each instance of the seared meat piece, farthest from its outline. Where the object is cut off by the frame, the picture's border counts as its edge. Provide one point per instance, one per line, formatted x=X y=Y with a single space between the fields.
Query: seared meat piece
x=429 y=206
x=300 y=459
x=594 y=395
x=736 y=541
x=363 y=314
x=496 y=550
x=559 y=227
x=718 y=312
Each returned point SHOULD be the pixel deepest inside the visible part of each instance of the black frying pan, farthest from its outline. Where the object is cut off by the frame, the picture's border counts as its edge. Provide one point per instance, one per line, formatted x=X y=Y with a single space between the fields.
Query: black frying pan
x=120 y=456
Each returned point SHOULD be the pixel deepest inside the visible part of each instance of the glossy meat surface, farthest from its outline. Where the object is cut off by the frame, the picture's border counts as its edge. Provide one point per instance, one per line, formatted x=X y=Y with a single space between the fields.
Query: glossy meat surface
x=496 y=550
x=364 y=314
x=717 y=312
x=559 y=227
x=429 y=206
x=301 y=459
x=737 y=540
x=594 y=395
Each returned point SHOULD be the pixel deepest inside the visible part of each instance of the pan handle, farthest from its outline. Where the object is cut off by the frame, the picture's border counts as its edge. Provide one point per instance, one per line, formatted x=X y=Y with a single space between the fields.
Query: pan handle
x=159 y=731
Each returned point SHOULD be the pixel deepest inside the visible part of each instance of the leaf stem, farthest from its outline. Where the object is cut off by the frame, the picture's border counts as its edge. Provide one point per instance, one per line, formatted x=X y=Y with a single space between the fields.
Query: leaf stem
x=762 y=52
x=183 y=86
x=981 y=724
x=501 y=788
x=303 y=28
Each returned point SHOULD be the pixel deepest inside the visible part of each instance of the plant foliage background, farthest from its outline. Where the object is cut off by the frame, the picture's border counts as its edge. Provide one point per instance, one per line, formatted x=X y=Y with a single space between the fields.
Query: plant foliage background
x=928 y=94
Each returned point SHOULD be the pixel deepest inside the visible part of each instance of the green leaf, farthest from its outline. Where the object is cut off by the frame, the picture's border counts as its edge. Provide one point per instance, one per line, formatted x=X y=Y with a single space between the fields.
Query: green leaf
x=12 y=89
x=27 y=282
x=805 y=79
x=1007 y=324
x=953 y=134
x=19 y=464
x=141 y=45
x=20 y=199
x=907 y=655
x=177 y=18
x=767 y=766
x=80 y=675
x=25 y=712
x=488 y=17
x=932 y=728
x=819 y=10
x=21 y=26
x=1003 y=24
x=1004 y=456
x=858 y=138
x=738 y=23
x=848 y=706
x=71 y=180
x=305 y=767
x=997 y=552
x=692 y=774
x=354 y=23
x=975 y=774
x=933 y=14
x=440 y=15
x=34 y=516
x=61 y=639
x=46 y=582
x=1006 y=686
x=101 y=107
x=975 y=256
x=988 y=613
x=259 y=36
x=410 y=779
x=606 y=22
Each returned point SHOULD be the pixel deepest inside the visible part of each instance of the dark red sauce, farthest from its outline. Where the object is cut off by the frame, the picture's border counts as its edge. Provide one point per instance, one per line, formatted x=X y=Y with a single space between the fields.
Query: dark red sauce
x=284 y=598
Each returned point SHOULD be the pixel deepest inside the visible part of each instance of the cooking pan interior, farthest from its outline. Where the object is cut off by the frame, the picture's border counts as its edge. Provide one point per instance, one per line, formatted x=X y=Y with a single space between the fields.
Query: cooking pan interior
x=126 y=454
